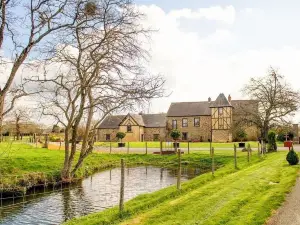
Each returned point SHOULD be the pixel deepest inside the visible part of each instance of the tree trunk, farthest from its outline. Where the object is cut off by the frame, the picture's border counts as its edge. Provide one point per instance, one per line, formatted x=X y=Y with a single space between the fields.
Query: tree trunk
x=66 y=169
x=18 y=130
x=2 y=99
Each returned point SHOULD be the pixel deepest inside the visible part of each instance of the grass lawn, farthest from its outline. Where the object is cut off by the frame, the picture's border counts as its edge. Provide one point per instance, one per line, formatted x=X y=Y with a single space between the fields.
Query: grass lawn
x=153 y=144
x=19 y=162
x=244 y=196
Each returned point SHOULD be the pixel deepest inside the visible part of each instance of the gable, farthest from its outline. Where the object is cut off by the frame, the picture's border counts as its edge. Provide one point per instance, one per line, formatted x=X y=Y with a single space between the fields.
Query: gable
x=128 y=120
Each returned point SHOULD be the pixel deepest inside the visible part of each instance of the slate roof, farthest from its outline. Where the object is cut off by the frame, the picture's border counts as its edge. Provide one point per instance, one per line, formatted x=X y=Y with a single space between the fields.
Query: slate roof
x=221 y=101
x=189 y=109
x=145 y=120
x=155 y=120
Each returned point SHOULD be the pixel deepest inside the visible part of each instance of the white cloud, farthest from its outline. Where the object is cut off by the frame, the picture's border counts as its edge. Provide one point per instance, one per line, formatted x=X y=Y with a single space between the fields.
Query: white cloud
x=217 y=13
x=198 y=67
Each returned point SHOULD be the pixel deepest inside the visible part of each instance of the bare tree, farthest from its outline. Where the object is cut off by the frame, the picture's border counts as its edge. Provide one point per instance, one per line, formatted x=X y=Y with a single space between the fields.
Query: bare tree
x=101 y=70
x=29 y=26
x=20 y=115
x=273 y=102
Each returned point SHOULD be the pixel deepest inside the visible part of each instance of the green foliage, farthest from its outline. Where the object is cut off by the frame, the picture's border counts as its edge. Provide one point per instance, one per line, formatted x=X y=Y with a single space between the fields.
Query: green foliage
x=292 y=157
x=281 y=136
x=272 y=146
x=175 y=134
x=120 y=135
x=54 y=138
x=241 y=134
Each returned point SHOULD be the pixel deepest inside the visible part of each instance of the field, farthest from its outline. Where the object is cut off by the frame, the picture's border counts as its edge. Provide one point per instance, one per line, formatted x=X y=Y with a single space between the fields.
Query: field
x=245 y=196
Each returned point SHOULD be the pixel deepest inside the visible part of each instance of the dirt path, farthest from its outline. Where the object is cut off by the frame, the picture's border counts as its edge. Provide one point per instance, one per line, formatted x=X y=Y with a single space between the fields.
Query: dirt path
x=289 y=212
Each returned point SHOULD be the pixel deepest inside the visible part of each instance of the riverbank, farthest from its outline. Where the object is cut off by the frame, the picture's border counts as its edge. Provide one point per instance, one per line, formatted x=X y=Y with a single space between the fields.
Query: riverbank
x=24 y=166
x=245 y=196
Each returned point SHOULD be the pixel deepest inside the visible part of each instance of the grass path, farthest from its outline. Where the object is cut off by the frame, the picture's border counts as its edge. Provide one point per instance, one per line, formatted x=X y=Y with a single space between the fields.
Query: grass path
x=247 y=196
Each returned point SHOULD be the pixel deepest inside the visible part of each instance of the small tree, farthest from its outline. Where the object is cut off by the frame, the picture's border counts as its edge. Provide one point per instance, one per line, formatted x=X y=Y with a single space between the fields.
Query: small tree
x=175 y=134
x=241 y=134
x=292 y=157
x=272 y=146
x=120 y=135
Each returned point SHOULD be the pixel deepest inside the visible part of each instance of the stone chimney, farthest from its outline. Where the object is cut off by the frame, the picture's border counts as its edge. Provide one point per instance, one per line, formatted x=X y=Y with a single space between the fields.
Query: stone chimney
x=209 y=99
x=229 y=98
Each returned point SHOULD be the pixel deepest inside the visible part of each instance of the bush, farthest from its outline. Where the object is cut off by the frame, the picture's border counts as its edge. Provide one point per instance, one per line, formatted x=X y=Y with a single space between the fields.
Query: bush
x=241 y=134
x=272 y=146
x=175 y=134
x=120 y=135
x=54 y=138
x=292 y=157
x=281 y=136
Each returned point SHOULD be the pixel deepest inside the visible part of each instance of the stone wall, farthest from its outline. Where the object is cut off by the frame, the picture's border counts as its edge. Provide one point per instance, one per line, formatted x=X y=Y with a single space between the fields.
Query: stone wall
x=102 y=134
x=194 y=133
x=221 y=136
x=149 y=133
x=134 y=135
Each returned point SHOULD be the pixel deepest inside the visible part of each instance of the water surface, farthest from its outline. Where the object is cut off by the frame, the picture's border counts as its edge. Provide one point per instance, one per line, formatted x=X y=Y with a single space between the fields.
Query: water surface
x=95 y=193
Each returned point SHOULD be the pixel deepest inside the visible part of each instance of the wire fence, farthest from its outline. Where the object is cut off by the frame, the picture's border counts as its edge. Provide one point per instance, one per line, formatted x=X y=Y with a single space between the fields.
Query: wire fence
x=18 y=190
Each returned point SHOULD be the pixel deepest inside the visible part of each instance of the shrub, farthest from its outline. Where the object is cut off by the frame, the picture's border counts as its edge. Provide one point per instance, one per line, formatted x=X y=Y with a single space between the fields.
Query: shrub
x=120 y=135
x=292 y=157
x=175 y=134
x=54 y=138
x=241 y=134
x=272 y=146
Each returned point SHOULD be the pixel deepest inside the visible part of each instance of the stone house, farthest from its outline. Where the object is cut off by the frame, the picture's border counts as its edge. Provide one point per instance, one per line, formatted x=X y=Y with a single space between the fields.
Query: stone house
x=138 y=127
x=197 y=121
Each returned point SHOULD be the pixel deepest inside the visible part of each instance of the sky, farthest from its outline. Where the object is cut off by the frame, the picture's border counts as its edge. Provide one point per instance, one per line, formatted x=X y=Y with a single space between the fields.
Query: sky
x=204 y=48
x=207 y=47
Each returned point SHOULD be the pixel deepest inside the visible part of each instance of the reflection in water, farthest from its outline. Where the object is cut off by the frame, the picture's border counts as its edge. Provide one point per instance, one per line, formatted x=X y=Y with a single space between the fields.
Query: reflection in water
x=96 y=193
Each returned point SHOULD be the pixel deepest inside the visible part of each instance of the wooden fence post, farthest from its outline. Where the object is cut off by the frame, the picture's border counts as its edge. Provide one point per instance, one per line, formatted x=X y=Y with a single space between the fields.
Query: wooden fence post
x=161 y=147
x=179 y=170
x=127 y=147
x=46 y=140
x=235 y=157
x=213 y=161
x=146 y=148
x=258 y=151
x=110 y=147
x=188 y=147
x=248 y=153
x=121 y=203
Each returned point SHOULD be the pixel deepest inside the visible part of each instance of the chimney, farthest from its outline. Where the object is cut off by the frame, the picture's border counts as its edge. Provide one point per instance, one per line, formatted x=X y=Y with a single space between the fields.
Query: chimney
x=229 y=98
x=209 y=99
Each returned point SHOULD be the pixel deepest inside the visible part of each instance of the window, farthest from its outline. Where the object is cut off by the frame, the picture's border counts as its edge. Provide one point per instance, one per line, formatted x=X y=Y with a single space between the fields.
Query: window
x=220 y=111
x=197 y=122
x=107 y=137
x=174 y=124
x=184 y=122
x=184 y=136
x=129 y=128
x=155 y=137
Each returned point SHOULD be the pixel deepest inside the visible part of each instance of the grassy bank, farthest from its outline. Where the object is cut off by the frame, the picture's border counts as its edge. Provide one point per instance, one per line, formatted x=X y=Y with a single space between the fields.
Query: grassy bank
x=24 y=165
x=155 y=144
x=244 y=196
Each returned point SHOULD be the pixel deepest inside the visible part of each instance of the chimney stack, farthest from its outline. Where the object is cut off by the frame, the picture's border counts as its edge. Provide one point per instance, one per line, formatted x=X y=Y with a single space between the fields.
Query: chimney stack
x=229 y=98
x=209 y=99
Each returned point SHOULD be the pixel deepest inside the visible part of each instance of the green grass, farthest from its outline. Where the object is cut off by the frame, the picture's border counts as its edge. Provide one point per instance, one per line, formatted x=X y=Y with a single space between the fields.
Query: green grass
x=23 y=163
x=153 y=144
x=244 y=196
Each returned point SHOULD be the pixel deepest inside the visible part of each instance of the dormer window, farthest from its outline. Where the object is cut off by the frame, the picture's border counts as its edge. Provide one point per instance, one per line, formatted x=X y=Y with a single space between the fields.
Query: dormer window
x=129 y=128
